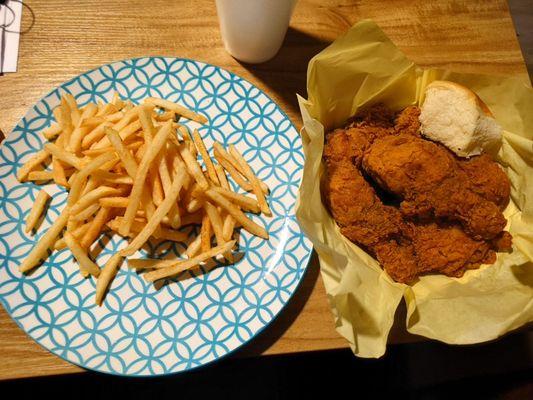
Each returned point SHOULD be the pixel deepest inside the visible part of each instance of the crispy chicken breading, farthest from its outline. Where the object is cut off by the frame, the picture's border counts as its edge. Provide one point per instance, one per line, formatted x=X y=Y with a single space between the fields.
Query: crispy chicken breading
x=429 y=180
x=380 y=150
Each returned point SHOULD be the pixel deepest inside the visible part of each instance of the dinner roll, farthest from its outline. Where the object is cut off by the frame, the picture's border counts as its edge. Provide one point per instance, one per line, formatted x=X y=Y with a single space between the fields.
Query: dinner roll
x=456 y=117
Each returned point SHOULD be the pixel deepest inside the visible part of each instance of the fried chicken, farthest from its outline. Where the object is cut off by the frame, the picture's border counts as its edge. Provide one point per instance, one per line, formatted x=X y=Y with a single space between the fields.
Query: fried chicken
x=449 y=250
x=413 y=239
x=487 y=179
x=429 y=180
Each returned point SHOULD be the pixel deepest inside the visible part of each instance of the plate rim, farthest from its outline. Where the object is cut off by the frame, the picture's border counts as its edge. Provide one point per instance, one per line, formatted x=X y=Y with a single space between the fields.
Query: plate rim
x=305 y=260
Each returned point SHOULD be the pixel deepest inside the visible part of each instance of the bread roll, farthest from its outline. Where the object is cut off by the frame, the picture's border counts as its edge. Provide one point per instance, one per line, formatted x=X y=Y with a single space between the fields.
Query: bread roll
x=456 y=117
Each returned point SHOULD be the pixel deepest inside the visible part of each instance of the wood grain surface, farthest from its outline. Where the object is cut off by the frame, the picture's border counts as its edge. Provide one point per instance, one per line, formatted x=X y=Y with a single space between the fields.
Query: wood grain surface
x=67 y=38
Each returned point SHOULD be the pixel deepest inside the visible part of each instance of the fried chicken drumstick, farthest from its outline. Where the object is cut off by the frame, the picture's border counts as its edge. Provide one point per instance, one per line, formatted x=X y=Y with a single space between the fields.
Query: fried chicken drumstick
x=404 y=244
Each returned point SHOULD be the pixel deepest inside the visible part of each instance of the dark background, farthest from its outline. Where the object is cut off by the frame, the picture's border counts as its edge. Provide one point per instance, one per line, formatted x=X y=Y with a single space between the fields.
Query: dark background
x=428 y=370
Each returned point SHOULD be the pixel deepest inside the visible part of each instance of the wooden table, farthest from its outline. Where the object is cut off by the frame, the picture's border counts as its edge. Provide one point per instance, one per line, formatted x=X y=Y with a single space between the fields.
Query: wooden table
x=68 y=38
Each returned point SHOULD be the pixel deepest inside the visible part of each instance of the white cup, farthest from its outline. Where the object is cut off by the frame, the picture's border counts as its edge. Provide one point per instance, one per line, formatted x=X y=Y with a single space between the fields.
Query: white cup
x=253 y=30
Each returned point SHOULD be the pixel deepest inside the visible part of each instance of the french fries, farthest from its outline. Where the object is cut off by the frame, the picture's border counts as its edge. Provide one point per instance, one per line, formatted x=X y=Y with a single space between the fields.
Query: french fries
x=256 y=183
x=37 y=159
x=175 y=268
x=87 y=266
x=36 y=210
x=106 y=276
x=133 y=171
x=168 y=105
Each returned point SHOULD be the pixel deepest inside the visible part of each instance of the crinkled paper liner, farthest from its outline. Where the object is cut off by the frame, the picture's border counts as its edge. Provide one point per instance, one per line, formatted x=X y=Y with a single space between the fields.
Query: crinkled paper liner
x=364 y=67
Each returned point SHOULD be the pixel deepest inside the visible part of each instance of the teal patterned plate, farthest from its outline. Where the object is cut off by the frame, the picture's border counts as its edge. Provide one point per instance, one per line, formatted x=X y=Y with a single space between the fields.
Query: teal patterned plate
x=197 y=317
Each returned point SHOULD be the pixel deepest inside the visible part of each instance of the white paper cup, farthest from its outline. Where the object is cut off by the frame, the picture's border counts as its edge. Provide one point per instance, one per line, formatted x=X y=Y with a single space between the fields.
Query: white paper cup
x=253 y=30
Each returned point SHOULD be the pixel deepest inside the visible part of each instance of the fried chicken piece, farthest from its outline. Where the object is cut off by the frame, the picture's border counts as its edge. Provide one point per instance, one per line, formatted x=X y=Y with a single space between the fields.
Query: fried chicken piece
x=399 y=260
x=431 y=184
x=487 y=179
x=407 y=121
x=362 y=216
x=449 y=250
x=360 y=213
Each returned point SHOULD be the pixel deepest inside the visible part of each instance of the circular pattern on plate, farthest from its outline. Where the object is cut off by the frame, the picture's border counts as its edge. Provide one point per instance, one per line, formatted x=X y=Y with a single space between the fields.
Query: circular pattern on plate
x=198 y=316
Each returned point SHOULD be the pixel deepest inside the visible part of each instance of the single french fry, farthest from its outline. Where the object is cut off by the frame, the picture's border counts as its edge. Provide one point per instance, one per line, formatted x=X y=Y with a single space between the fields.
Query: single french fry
x=164 y=173
x=200 y=145
x=166 y=182
x=139 y=264
x=157 y=188
x=87 y=266
x=123 y=152
x=229 y=221
x=117 y=101
x=192 y=166
x=170 y=234
x=228 y=227
x=47 y=240
x=216 y=221
x=160 y=212
x=80 y=130
x=100 y=219
x=194 y=247
x=35 y=160
x=92 y=122
x=146 y=122
x=113 y=178
x=36 y=210
x=75 y=139
x=252 y=178
x=89 y=111
x=106 y=276
x=66 y=119
x=58 y=173
x=205 y=233
x=75 y=113
x=114 y=202
x=86 y=213
x=183 y=265
x=168 y=105
x=217 y=227
x=92 y=197
x=40 y=176
x=185 y=134
x=245 y=222
x=194 y=205
x=115 y=117
x=138 y=185
x=52 y=131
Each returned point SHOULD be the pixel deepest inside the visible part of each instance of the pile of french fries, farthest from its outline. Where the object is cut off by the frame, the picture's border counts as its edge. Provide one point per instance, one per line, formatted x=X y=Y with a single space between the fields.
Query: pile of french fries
x=134 y=170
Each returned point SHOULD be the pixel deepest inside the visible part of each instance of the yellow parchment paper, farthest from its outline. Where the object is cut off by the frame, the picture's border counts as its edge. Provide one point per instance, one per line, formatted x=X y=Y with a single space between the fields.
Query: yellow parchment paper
x=362 y=68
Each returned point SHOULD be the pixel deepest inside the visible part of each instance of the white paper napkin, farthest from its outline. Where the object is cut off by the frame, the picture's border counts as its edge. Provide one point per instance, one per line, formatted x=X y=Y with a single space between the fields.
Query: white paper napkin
x=9 y=36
